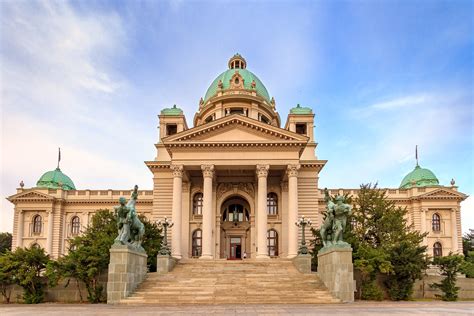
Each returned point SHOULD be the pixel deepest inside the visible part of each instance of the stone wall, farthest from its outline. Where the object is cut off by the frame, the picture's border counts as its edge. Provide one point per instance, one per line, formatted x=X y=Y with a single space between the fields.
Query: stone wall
x=60 y=293
x=421 y=288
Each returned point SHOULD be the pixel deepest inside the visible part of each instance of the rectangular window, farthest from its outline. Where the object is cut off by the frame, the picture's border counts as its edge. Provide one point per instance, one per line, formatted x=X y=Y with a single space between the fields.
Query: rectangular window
x=171 y=129
x=301 y=129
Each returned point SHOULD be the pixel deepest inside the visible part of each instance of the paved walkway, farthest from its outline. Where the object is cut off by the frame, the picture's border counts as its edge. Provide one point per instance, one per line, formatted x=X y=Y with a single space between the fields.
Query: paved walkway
x=354 y=309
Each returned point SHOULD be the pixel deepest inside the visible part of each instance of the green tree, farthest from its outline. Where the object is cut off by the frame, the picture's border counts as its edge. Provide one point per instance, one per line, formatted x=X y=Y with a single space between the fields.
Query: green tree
x=382 y=239
x=450 y=265
x=7 y=278
x=5 y=242
x=89 y=256
x=468 y=243
x=467 y=267
x=151 y=242
x=28 y=265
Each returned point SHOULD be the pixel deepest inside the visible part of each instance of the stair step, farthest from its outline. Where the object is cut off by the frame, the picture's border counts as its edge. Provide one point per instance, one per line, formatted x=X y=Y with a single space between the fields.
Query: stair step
x=231 y=282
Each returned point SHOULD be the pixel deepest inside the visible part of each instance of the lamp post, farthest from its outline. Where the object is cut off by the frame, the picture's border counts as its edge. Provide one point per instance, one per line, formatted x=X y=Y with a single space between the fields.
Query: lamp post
x=302 y=222
x=165 y=249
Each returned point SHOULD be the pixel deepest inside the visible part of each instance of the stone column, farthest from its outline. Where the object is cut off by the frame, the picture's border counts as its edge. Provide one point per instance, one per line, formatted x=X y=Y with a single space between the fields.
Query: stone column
x=176 y=210
x=454 y=232
x=49 y=245
x=292 y=172
x=21 y=223
x=208 y=174
x=262 y=173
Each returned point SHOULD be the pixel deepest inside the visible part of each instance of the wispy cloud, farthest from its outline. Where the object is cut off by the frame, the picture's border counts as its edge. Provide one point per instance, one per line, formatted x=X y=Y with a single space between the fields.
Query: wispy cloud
x=59 y=88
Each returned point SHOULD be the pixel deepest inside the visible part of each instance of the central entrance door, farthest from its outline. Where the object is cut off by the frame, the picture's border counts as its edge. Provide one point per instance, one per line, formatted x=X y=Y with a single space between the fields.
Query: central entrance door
x=235 y=248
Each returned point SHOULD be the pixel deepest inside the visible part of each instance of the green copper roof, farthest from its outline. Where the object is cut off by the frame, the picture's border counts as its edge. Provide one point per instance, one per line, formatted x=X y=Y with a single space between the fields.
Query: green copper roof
x=419 y=177
x=54 y=180
x=246 y=75
x=301 y=110
x=172 y=111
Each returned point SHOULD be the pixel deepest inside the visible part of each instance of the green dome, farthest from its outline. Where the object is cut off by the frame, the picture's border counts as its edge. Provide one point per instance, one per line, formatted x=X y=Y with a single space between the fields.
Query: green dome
x=301 y=110
x=55 y=179
x=248 y=77
x=419 y=177
x=172 y=111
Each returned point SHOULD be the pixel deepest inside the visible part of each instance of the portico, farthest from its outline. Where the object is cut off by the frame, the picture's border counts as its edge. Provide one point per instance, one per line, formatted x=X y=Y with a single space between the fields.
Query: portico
x=233 y=210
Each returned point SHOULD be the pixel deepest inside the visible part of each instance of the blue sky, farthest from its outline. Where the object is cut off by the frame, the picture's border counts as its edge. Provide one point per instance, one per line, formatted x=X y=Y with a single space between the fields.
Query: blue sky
x=381 y=77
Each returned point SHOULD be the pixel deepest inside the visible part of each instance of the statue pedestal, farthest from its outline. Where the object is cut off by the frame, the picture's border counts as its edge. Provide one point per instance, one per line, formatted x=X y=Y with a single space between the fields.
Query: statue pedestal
x=127 y=269
x=164 y=263
x=303 y=263
x=337 y=272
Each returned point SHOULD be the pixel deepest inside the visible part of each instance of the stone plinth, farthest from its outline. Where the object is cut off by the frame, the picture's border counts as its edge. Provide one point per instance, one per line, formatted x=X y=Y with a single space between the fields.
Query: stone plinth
x=337 y=272
x=164 y=264
x=127 y=269
x=303 y=263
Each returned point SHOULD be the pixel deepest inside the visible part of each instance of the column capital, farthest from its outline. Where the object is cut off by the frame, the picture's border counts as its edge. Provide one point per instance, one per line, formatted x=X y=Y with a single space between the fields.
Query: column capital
x=292 y=170
x=207 y=171
x=177 y=170
x=262 y=170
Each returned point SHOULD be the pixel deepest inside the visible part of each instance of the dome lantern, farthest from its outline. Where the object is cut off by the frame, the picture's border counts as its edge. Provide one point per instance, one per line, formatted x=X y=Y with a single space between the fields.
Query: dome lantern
x=237 y=62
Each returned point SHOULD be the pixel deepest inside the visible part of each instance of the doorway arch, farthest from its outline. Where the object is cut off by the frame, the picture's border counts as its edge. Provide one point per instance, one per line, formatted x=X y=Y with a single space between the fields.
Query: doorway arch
x=235 y=222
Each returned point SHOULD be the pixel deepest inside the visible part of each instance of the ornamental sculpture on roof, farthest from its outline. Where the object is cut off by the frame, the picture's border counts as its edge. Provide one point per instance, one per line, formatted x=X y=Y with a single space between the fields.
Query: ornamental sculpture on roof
x=334 y=224
x=130 y=228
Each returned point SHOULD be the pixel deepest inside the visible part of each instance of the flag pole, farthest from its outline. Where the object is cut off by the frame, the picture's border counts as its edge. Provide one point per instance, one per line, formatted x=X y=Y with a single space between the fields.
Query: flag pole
x=416 y=154
x=59 y=156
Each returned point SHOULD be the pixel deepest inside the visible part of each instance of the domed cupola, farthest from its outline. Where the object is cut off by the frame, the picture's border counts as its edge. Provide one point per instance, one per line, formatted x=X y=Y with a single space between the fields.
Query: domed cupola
x=55 y=179
x=237 y=76
x=419 y=177
x=237 y=91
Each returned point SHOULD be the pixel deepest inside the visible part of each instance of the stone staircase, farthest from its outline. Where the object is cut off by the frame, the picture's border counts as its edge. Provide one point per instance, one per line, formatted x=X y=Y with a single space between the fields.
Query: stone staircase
x=195 y=281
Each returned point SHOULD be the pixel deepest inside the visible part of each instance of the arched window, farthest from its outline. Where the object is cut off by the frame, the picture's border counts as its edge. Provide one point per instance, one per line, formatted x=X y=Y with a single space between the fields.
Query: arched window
x=272 y=243
x=272 y=204
x=37 y=224
x=437 y=250
x=75 y=225
x=436 y=222
x=235 y=213
x=197 y=204
x=197 y=243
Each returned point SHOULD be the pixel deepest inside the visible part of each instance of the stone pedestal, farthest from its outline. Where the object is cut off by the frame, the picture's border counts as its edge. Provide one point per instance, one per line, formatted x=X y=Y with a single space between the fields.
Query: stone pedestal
x=303 y=263
x=337 y=272
x=164 y=264
x=127 y=269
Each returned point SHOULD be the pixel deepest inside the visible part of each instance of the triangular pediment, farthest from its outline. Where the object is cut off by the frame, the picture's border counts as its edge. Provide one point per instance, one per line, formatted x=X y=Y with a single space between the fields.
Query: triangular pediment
x=30 y=195
x=443 y=193
x=236 y=128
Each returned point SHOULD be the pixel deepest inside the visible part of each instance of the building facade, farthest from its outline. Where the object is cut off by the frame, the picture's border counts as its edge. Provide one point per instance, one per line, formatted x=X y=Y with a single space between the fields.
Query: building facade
x=234 y=184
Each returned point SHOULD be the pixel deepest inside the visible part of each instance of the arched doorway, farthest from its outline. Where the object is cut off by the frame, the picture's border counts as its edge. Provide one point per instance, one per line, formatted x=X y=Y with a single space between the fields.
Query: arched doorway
x=235 y=228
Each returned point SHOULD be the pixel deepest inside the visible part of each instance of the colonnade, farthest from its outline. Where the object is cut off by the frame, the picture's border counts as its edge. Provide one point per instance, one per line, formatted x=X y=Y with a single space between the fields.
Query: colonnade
x=208 y=173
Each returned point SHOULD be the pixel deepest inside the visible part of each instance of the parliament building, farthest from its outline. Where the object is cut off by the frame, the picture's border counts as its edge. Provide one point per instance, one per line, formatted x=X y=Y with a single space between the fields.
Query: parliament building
x=234 y=183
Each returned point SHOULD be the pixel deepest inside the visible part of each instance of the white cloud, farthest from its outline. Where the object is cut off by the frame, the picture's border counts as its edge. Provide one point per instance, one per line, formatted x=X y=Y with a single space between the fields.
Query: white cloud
x=59 y=88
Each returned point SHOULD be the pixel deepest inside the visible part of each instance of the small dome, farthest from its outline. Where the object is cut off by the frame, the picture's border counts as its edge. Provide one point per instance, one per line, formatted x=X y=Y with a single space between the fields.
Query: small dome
x=301 y=110
x=55 y=179
x=419 y=177
x=237 y=64
x=172 y=111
